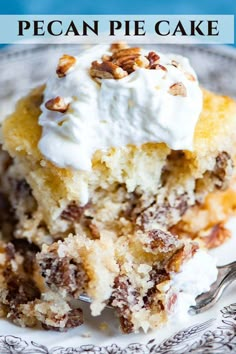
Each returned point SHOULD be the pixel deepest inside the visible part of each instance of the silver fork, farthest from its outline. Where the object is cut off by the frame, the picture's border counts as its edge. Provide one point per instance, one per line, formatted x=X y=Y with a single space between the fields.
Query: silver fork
x=226 y=275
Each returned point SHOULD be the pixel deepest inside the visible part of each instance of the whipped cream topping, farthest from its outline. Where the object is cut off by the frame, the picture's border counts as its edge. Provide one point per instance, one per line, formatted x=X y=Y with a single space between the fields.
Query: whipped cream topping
x=195 y=277
x=136 y=109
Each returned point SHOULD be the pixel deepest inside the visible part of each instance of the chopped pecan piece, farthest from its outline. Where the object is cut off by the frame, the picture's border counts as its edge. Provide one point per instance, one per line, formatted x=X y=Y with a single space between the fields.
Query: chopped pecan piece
x=73 y=212
x=175 y=63
x=178 y=89
x=157 y=276
x=218 y=235
x=118 y=46
x=57 y=104
x=106 y=57
x=140 y=62
x=158 y=67
x=189 y=76
x=65 y=63
x=106 y=70
x=94 y=230
x=62 y=273
x=223 y=170
x=164 y=214
x=129 y=59
x=74 y=318
x=20 y=288
x=131 y=62
x=126 y=325
x=161 y=241
x=180 y=256
x=176 y=261
x=124 y=297
x=126 y=52
x=153 y=58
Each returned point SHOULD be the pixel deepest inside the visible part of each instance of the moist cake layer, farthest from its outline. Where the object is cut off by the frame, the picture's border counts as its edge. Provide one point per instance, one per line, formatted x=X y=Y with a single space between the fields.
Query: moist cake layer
x=128 y=186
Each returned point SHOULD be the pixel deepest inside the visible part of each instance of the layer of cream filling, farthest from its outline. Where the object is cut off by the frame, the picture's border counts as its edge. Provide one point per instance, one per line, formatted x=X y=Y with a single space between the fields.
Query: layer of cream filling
x=114 y=113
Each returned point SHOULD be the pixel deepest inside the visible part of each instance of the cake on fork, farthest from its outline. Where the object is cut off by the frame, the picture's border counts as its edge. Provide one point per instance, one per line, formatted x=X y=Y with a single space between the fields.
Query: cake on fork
x=122 y=175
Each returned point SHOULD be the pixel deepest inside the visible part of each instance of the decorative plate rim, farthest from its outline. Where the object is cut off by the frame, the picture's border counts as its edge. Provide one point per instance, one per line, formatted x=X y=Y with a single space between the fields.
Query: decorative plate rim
x=221 y=339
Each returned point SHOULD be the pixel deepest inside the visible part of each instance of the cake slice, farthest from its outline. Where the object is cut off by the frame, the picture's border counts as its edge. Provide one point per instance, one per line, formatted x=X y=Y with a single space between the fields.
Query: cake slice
x=122 y=173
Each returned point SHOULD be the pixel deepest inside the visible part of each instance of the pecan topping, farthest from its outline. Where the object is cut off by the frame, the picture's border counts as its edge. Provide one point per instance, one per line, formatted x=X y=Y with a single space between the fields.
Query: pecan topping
x=65 y=63
x=178 y=89
x=158 y=67
x=189 y=76
x=106 y=70
x=130 y=62
x=106 y=57
x=130 y=59
x=153 y=58
x=135 y=51
x=123 y=61
x=117 y=46
x=140 y=62
x=175 y=63
x=57 y=104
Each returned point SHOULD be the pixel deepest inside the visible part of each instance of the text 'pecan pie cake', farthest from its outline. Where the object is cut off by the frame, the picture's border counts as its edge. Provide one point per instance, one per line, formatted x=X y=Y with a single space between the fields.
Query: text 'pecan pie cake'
x=120 y=176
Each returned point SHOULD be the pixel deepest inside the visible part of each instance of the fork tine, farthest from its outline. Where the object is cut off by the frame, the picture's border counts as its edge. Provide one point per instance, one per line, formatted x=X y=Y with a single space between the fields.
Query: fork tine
x=226 y=275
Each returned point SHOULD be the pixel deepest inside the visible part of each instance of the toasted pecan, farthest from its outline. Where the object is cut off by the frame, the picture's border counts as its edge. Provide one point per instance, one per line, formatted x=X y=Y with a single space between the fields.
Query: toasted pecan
x=175 y=63
x=189 y=76
x=57 y=104
x=153 y=58
x=64 y=64
x=117 y=46
x=158 y=67
x=178 y=89
x=126 y=52
x=107 y=70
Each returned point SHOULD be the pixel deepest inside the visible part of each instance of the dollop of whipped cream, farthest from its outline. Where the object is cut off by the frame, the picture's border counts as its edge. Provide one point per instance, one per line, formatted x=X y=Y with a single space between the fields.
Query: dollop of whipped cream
x=142 y=107
x=191 y=281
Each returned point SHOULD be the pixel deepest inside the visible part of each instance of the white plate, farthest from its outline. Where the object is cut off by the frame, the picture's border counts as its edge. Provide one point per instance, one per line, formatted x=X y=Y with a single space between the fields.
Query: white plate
x=214 y=331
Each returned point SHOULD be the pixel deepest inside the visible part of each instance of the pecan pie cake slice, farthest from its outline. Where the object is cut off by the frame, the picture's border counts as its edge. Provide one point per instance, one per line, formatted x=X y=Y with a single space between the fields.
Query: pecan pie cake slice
x=121 y=174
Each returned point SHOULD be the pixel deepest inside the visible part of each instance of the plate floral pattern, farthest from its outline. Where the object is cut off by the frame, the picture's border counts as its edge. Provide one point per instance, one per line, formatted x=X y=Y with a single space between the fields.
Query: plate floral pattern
x=221 y=339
